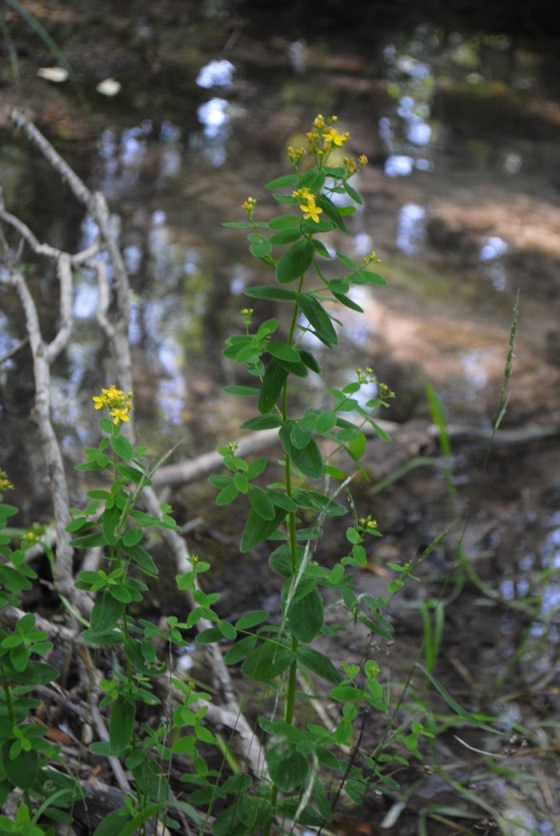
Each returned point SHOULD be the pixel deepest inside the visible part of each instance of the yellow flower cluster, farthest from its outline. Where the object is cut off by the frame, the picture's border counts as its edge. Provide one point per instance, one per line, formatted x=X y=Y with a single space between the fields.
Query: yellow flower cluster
x=365 y=376
x=368 y=523
x=307 y=204
x=117 y=402
x=5 y=484
x=295 y=154
x=352 y=166
x=247 y=314
x=30 y=538
x=372 y=258
x=324 y=137
x=249 y=205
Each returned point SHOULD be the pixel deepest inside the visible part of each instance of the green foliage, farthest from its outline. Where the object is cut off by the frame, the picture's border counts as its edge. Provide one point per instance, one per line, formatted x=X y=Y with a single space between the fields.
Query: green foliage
x=308 y=764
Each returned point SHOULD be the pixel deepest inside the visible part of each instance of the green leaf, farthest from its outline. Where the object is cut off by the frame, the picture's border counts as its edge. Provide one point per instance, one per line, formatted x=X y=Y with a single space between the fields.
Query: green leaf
x=36 y=673
x=258 y=529
x=325 y=422
x=309 y=360
x=357 y=446
x=348 y=262
x=267 y=662
x=306 y=616
x=282 y=500
x=383 y=434
x=121 y=727
x=106 y=425
x=295 y=261
x=263 y=422
x=256 y=468
x=286 y=236
x=320 y=248
x=109 y=637
x=281 y=562
x=132 y=474
x=240 y=224
x=251 y=619
x=347 y=302
x=307 y=459
x=285 y=222
x=272 y=384
x=319 y=664
x=227 y=495
x=261 y=503
x=282 y=182
x=260 y=246
x=346 y=693
x=209 y=636
x=227 y=630
x=120 y=593
x=330 y=210
x=240 y=482
x=240 y=650
x=299 y=435
x=122 y=447
x=133 y=536
x=316 y=501
x=241 y=390
x=289 y=770
x=298 y=369
x=281 y=293
x=88 y=541
x=142 y=558
x=23 y=770
x=106 y=613
x=367 y=277
x=283 y=351
x=312 y=227
x=318 y=318
x=314 y=180
x=352 y=193
x=114 y=824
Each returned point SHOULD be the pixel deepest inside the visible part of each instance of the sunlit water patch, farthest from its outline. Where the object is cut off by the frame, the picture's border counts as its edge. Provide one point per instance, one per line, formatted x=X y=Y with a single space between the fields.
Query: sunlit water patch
x=411 y=230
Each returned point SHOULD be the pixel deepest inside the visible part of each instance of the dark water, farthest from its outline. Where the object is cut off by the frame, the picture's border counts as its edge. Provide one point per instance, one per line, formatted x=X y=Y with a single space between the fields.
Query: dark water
x=461 y=203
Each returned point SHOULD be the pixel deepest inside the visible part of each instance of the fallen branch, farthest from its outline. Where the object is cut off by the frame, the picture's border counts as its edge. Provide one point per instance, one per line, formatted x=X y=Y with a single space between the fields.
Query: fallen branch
x=416 y=434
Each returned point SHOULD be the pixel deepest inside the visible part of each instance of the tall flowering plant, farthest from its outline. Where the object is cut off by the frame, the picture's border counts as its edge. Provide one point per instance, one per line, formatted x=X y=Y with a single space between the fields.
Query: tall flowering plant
x=316 y=199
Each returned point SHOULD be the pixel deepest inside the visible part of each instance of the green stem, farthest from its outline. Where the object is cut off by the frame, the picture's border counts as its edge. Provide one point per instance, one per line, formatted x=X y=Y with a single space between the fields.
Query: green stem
x=290 y=692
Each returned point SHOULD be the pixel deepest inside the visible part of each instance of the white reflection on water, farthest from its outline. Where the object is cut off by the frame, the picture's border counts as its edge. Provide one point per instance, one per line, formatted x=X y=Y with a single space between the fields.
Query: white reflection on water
x=399 y=165
x=490 y=255
x=363 y=244
x=216 y=74
x=215 y=120
x=172 y=384
x=86 y=301
x=411 y=228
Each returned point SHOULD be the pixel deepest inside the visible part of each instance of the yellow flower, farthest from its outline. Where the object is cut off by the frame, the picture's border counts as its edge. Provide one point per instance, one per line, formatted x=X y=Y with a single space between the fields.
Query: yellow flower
x=333 y=137
x=119 y=415
x=363 y=160
x=5 y=484
x=310 y=210
x=307 y=204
